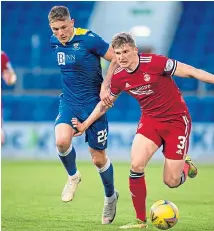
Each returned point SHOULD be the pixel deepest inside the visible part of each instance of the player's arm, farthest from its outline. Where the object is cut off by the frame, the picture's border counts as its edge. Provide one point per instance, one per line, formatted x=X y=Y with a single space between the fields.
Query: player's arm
x=184 y=70
x=101 y=48
x=98 y=111
x=105 y=88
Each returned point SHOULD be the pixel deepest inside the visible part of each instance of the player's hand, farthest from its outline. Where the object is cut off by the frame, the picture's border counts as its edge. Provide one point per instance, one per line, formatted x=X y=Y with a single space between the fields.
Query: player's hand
x=79 y=126
x=105 y=96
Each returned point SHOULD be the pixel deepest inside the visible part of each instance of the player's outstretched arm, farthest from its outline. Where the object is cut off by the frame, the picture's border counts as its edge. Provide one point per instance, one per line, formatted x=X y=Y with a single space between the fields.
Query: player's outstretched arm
x=184 y=70
x=105 y=88
x=98 y=111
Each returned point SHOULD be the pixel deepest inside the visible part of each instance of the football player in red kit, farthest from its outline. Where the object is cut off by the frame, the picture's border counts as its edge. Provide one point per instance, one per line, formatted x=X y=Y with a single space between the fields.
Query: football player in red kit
x=9 y=77
x=165 y=119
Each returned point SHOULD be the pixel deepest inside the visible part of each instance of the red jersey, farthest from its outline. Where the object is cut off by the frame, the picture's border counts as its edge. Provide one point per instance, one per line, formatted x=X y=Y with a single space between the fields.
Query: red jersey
x=4 y=62
x=152 y=85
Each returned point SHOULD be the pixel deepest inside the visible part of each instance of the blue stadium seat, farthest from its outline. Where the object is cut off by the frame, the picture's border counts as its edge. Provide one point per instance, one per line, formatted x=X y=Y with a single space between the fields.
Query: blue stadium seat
x=193 y=104
x=193 y=42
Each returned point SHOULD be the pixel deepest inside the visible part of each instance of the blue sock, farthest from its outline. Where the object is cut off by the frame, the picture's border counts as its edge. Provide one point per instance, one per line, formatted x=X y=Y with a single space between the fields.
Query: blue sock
x=107 y=176
x=68 y=159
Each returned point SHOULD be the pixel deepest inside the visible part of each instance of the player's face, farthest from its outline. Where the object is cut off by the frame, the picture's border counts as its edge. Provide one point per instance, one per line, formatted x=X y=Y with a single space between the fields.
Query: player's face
x=126 y=55
x=63 y=30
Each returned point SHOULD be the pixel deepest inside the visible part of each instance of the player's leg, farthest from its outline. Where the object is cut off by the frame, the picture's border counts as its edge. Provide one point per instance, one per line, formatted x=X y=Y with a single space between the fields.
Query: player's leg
x=106 y=171
x=66 y=151
x=143 y=148
x=176 y=144
x=96 y=136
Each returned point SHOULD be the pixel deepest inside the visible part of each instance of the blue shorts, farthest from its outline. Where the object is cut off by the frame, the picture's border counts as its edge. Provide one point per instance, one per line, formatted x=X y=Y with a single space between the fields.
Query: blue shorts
x=96 y=134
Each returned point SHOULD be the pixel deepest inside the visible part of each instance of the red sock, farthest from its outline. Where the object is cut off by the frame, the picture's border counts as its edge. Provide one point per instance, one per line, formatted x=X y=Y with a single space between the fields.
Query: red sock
x=186 y=169
x=137 y=186
x=184 y=174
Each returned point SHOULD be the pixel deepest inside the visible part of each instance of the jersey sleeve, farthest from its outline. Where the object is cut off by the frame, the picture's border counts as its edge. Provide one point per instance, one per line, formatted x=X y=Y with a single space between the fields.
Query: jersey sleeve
x=163 y=65
x=115 y=89
x=96 y=44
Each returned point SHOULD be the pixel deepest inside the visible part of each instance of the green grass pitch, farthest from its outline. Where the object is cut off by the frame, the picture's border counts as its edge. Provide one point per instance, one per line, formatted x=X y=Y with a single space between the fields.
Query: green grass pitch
x=31 y=198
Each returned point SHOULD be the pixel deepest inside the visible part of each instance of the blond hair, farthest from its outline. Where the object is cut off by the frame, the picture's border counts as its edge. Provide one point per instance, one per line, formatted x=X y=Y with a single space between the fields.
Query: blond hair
x=121 y=39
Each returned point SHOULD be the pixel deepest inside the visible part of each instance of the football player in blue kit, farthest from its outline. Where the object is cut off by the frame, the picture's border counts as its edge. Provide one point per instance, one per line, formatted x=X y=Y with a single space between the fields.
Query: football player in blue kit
x=78 y=52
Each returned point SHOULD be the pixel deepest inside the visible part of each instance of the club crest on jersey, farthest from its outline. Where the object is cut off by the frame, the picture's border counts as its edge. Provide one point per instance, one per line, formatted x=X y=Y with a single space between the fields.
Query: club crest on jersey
x=147 y=77
x=61 y=58
x=76 y=46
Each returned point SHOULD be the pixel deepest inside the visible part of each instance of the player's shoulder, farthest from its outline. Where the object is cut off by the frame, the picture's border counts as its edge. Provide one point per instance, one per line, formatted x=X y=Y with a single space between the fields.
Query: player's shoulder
x=150 y=58
x=81 y=31
x=54 y=40
x=119 y=72
x=86 y=34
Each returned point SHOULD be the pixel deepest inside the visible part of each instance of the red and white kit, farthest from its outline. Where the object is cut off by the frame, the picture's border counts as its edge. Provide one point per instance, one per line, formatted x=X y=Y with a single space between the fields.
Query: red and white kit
x=165 y=118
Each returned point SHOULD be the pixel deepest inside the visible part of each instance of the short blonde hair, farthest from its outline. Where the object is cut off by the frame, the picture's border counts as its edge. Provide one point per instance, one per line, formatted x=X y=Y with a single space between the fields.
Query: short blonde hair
x=121 y=39
x=58 y=13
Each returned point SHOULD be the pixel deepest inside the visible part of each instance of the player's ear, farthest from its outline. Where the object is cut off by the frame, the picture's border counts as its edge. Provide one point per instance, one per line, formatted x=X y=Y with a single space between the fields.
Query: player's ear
x=72 y=22
x=136 y=49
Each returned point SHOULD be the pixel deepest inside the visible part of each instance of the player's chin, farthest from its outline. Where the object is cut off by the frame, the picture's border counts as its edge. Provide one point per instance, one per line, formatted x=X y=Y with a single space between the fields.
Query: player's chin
x=65 y=40
x=124 y=65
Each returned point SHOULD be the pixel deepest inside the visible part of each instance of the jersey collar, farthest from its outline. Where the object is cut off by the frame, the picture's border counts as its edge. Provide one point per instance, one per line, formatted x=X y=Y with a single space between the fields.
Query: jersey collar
x=71 y=37
x=131 y=72
x=73 y=34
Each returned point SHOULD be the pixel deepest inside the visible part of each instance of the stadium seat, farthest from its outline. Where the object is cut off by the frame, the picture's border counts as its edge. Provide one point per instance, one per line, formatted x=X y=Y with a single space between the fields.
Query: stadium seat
x=193 y=42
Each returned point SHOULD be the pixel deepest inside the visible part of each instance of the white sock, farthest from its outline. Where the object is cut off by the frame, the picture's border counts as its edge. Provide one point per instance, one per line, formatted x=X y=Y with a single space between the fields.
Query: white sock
x=111 y=198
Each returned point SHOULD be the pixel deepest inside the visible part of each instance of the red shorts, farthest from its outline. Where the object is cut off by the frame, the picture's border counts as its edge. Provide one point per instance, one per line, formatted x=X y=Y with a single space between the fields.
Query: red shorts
x=172 y=134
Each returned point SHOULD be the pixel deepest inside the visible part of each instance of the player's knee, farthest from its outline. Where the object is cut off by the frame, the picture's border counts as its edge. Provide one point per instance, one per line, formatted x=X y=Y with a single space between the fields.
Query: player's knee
x=99 y=158
x=137 y=167
x=62 y=145
x=172 y=182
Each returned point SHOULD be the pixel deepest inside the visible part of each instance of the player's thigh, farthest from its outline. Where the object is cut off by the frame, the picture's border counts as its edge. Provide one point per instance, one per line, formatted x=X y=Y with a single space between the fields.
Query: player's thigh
x=176 y=138
x=63 y=127
x=97 y=134
x=146 y=142
x=173 y=169
x=141 y=152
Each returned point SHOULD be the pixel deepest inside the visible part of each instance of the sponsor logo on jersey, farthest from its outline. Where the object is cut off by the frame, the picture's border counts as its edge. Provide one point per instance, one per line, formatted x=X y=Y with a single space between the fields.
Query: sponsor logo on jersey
x=169 y=65
x=147 y=77
x=142 y=90
x=61 y=58
x=76 y=46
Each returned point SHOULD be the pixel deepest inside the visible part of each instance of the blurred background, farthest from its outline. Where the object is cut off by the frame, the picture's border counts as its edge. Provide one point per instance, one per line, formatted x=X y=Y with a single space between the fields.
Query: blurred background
x=180 y=30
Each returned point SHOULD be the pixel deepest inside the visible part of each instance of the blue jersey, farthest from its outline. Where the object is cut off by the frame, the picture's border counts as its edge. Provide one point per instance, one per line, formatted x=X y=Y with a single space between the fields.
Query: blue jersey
x=79 y=62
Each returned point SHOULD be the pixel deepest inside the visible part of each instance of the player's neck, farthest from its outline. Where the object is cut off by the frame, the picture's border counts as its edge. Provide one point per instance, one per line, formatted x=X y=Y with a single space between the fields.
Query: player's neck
x=73 y=33
x=134 y=64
